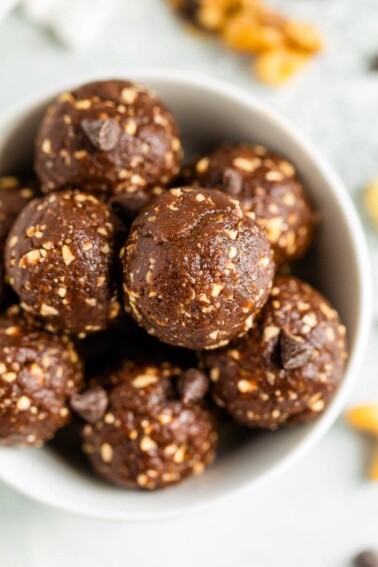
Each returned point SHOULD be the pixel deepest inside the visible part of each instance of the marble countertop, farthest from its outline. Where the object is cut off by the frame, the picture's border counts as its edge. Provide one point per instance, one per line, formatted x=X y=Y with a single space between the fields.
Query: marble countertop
x=322 y=511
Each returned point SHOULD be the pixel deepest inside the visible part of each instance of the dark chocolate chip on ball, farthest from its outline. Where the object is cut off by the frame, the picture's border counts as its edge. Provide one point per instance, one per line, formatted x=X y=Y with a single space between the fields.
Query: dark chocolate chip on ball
x=295 y=350
x=104 y=133
x=90 y=405
x=193 y=385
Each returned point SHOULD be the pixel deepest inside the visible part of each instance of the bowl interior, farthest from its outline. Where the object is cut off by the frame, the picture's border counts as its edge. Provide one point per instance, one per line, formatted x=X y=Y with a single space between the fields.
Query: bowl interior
x=210 y=113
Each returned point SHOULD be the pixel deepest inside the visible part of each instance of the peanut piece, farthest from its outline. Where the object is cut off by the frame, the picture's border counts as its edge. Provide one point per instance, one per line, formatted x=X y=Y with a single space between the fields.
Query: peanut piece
x=370 y=201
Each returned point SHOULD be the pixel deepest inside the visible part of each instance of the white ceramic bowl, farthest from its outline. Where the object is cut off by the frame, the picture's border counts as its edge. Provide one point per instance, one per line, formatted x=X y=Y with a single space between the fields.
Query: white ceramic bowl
x=210 y=112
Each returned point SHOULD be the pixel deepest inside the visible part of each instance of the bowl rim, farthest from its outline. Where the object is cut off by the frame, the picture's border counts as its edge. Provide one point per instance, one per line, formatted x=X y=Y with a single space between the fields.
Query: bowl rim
x=239 y=95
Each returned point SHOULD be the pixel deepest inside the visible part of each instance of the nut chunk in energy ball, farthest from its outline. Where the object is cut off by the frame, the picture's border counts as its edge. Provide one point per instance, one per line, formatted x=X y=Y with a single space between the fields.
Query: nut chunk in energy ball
x=196 y=269
x=266 y=184
x=60 y=259
x=287 y=369
x=38 y=374
x=150 y=436
x=110 y=137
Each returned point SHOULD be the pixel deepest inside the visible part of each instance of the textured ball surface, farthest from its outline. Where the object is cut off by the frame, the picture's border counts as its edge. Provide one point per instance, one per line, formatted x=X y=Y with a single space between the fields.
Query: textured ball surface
x=196 y=269
x=60 y=259
x=39 y=372
x=287 y=369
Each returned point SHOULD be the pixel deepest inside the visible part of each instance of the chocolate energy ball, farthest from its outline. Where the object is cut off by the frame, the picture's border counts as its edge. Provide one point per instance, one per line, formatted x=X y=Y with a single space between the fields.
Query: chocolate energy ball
x=14 y=196
x=109 y=136
x=152 y=432
x=60 y=259
x=286 y=370
x=266 y=184
x=38 y=374
x=196 y=270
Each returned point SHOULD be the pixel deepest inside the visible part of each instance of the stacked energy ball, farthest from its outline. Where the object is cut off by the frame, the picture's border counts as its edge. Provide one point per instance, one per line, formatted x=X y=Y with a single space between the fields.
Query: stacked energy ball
x=143 y=291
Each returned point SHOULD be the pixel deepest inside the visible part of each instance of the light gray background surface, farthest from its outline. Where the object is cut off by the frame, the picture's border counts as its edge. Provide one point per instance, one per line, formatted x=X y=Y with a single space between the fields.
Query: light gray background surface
x=322 y=511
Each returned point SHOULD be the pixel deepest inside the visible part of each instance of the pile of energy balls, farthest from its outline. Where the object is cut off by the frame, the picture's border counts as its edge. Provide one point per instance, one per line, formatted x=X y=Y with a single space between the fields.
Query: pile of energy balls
x=145 y=301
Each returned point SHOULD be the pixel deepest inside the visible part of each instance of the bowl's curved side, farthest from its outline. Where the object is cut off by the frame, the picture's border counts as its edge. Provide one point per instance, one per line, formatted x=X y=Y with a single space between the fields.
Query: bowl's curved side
x=210 y=111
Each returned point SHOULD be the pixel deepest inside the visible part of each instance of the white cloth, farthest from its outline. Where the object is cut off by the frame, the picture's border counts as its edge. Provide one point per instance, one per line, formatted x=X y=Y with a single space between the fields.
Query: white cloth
x=76 y=23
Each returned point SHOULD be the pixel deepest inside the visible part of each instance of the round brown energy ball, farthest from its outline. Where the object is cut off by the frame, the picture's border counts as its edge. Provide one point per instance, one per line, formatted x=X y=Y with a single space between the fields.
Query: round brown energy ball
x=60 y=259
x=286 y=370
x=38 y=374
x=196 y=270
x=266 y=184
x=152 y=431
x=110 y=137
x=14 y=196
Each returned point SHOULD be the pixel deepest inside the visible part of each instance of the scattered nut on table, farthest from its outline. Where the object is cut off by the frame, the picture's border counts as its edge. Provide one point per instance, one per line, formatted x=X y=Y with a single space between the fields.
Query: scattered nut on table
x=281 y=46
x=370 y=201
x=364 y=418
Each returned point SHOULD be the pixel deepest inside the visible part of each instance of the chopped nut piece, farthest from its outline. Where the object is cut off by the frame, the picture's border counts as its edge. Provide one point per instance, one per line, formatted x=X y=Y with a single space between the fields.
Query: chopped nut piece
x=106 y=453
x=144 y=381
x=245 y=386
x=147 y=444
x=129 y=95
x=68 y=257
x=23 y=403
x=48 y=310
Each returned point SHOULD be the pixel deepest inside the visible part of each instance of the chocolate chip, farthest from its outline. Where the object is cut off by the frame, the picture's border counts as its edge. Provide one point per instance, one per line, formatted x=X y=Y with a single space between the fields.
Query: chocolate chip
x=103 y=134
x=366 y=559
x=91 y=405
x=232 y=181
x=192 y=385
x=295 y=351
